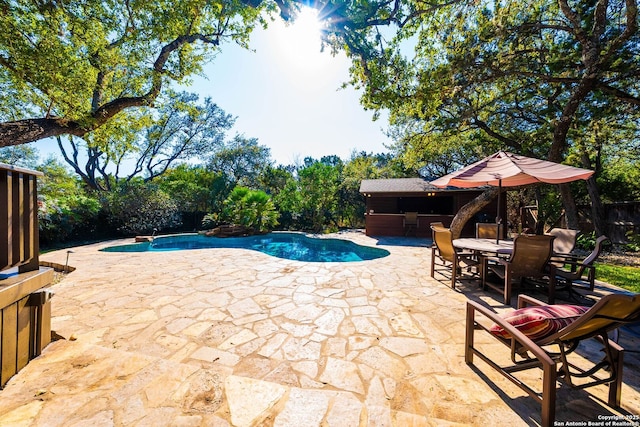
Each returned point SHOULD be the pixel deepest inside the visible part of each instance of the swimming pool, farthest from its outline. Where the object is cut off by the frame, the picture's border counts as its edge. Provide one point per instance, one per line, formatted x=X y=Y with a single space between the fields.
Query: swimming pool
x=294 y=246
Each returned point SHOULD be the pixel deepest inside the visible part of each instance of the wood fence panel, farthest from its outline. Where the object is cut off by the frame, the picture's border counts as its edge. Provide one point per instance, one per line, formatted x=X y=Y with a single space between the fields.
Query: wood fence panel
x=18 y=219
x=9 y=342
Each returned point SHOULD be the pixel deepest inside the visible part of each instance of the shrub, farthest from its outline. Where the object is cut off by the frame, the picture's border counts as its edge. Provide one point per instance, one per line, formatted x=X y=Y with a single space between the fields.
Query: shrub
x=67 y=218
x=137 y=208
x=210 y=221
x=586 y=241
x=251 y=208
x=633 y=244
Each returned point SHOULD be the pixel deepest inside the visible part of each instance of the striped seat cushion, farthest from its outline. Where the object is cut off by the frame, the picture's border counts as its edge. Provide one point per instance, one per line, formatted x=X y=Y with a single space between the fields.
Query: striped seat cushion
x=539 y=322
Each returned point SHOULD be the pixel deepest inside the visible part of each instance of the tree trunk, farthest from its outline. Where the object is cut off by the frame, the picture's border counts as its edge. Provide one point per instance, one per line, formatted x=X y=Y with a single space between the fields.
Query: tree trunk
x=570 y=209
x=470 y=209
x=597 y=209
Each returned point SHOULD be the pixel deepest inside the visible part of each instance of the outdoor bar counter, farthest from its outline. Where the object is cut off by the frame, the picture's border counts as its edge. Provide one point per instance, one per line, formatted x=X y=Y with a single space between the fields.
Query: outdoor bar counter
x=25 y=307
x=393 y=224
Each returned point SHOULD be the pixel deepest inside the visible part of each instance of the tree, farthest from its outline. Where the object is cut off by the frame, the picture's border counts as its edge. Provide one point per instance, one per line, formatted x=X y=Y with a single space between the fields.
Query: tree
x=65 y=210
x=312 y=199
x=182 y=130
x=273 y=179
x=517 y=75
x=70 y=68
x=195 y=190
x=242 y=160
x=136 y=207
x=23 y=155
x=351 y=206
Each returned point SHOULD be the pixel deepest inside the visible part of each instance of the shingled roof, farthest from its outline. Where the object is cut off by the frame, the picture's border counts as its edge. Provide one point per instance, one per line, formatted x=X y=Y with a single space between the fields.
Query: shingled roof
x=405 y=185
x=396 y=185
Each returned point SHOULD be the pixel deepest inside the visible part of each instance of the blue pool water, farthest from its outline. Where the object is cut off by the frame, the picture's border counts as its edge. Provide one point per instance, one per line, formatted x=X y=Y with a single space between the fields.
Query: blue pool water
x=293 y=246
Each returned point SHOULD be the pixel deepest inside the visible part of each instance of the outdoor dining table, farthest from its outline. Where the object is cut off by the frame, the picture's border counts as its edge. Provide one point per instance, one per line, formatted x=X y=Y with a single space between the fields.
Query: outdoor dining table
x=485 y=246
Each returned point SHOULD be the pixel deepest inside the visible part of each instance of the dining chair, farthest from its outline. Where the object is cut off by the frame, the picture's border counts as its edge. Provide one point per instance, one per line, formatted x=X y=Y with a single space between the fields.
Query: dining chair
x=529 y=259
x=579 y=268
x=410 y=222
x=449 y=257
x=565 y=240
x=488 y=230
x=435 y=224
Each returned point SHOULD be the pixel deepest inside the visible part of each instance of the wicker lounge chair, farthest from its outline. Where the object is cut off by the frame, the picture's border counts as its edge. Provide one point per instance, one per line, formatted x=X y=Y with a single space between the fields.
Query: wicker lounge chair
x=449 y=257
x=529 y=260
x=542 y=336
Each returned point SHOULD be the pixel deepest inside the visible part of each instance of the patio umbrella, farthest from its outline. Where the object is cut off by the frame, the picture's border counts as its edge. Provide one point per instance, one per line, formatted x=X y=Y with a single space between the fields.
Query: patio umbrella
x=504 y=169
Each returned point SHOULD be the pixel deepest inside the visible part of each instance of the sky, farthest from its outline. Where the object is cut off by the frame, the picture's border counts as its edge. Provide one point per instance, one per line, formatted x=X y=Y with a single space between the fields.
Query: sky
x=286 y=93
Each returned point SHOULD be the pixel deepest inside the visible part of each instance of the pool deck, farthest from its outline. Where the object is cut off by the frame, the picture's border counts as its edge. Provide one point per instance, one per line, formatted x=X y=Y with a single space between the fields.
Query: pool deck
x=230 y=337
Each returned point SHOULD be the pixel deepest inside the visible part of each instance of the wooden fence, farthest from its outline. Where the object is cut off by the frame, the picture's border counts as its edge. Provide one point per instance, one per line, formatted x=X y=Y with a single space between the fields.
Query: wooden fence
x=621 y=218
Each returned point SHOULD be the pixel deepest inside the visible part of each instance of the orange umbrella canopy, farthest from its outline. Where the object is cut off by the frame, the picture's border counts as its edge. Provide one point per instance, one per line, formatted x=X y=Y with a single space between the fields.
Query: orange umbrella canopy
x=504 y=169
x=511 y=170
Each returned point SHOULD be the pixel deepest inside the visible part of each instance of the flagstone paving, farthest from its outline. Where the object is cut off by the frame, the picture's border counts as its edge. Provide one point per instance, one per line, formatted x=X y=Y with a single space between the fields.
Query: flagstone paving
x=231 y=337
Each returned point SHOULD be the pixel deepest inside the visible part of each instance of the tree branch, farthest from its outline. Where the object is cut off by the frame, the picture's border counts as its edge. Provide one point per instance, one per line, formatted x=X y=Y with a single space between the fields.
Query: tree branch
x=29 y=130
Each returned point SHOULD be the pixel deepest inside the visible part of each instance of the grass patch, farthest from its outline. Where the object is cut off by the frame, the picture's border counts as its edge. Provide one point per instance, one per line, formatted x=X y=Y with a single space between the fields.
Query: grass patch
x=625 y=277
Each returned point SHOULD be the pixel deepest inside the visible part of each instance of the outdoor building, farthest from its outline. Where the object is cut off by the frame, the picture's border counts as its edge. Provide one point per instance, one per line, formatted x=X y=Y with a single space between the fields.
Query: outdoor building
x=393 y=203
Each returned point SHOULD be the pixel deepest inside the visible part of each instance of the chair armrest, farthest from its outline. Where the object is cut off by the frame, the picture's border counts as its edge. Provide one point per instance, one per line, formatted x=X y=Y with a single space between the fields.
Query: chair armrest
x=568 y=258
x=571 y=260
x=475 y=307
x=526 y=301
x=575 y=273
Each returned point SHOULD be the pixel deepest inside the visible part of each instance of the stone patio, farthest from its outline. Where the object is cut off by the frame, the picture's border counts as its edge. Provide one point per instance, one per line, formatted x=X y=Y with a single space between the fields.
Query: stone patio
x=230 y=337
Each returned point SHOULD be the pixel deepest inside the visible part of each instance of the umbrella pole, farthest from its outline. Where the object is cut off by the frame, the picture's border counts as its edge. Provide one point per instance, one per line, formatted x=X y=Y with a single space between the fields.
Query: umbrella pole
x=498 y=219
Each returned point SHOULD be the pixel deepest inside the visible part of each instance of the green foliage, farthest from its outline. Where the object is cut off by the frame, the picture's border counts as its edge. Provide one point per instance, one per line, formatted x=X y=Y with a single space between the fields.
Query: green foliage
x=633 y=242
x=139 y=208
x=586 y=241
x=313 y=198
x=195 y=188
x=619 y=180
x=65 y=210
x=273 y=181
x=141 y=144
x=88 y=60
x=352 y=205
x=57 y=181
x=22 y=155
x=73 y=217
x=210 y=221
x=242 y=160
x=183 y=130
x=474 y=77
x=253 y=209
